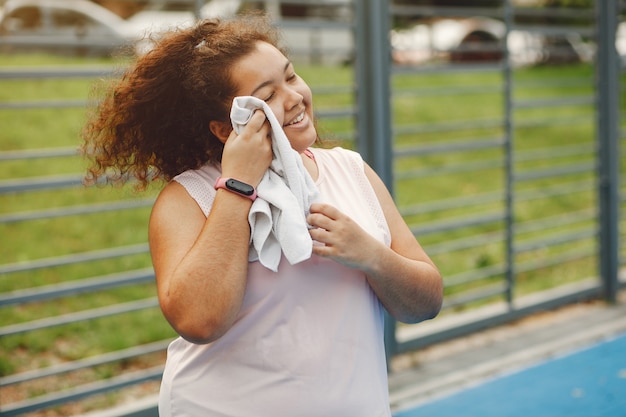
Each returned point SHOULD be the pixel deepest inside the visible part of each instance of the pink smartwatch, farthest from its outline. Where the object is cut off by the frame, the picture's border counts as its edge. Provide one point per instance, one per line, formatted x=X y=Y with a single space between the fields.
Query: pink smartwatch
x=236 y=186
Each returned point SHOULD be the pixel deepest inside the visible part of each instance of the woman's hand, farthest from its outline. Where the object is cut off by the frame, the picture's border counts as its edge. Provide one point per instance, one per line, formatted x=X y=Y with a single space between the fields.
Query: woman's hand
x=404 y=278
x=343 y=239
x=248 y=155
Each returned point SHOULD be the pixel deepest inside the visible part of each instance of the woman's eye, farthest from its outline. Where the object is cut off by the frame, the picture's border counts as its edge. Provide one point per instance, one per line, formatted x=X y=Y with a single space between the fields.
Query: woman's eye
x=292 y=77
x=268 y=98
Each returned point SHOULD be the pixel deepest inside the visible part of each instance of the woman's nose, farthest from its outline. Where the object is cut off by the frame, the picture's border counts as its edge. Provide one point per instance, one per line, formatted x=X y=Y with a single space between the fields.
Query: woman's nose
x=294 y=98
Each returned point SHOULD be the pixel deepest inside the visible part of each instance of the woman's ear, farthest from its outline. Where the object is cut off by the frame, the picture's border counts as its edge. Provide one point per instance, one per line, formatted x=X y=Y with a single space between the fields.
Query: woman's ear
x=220 y=129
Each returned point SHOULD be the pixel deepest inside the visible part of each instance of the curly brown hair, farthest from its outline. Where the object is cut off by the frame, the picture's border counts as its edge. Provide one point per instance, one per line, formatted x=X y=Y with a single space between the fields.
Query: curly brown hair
x=153 y=122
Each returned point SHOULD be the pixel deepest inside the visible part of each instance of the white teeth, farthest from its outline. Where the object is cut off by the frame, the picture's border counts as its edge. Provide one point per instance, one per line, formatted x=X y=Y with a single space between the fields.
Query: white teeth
x=297 y=119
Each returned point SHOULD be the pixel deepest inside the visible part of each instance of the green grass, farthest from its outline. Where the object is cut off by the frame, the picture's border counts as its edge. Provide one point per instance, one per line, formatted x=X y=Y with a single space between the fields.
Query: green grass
x=27 y=129
x=442 y=177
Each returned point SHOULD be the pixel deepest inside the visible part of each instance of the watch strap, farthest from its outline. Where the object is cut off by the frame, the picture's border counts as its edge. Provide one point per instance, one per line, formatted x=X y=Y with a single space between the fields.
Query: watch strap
x=237 y=187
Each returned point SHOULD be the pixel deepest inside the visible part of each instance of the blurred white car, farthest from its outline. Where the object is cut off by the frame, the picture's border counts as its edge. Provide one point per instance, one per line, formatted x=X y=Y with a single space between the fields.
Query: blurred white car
x=65 y=26
x=81 y=27
x=145 y=26
x=479 y=39
x=620 y=42
x=148 y=24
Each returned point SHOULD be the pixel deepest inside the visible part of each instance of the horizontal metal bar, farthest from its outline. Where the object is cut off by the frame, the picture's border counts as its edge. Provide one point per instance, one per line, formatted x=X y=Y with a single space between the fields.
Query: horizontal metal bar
x=119 y=355
x=448 y=68
x=556 y=30
x=448 y=147
x=534 y=174
x=325 y=3
x=554 y=102
x=548 y=240
x=335 y=113
x=316 y=24
x=190 y=2
x=49 y=292
x=458 y=223
x=450 y=203
x=562 y=219
x=535 y=122
x=555 y=12
x=482 y=293
x=332 y=89
x=520 y=11
x=29 y=73
x=554 y=190
x=555 y=260
x=442 y=11
x=37 y=153
x=455 y=168
x=541 y=83
x=43 y=40
x=43 y=104
x=79 y=316
x=75 y=210
x=446 y=91
x=319 y=50
x=82 y=391
x=40 y=183
x=473 y=275
x=554 y=152
x=459 y=125
x=470 y=242
x=74 y=258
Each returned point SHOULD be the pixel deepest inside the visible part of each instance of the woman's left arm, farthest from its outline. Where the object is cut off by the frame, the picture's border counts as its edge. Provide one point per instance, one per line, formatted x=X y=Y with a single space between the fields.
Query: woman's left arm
x=404 y=278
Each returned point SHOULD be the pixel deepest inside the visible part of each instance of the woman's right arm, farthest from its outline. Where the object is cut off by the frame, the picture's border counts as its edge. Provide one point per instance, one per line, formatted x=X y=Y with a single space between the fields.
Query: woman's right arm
x=201 y=264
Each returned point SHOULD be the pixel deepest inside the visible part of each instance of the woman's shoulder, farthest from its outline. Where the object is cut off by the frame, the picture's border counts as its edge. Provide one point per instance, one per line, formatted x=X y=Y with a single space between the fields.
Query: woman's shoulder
x=339 y=159
x=338 y=153
x=199 y=184
x=206 y=173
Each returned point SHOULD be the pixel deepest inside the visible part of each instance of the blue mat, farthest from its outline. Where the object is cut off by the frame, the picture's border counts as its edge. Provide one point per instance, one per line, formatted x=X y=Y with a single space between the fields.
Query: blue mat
x=588 y=383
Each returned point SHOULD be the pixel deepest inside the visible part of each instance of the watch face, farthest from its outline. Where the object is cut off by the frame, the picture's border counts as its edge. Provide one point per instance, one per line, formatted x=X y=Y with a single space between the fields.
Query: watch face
x=239 y=187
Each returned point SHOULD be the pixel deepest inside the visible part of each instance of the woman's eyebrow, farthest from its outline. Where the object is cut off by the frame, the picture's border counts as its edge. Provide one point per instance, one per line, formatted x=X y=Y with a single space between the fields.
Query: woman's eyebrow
x=268 y=82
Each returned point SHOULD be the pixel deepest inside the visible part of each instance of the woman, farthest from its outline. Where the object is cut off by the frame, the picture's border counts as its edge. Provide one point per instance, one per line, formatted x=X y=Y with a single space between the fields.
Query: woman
x=306 y=340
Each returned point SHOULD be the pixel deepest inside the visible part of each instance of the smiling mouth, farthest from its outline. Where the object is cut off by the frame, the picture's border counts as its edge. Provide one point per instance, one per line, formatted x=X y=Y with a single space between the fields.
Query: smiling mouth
x=296 y=120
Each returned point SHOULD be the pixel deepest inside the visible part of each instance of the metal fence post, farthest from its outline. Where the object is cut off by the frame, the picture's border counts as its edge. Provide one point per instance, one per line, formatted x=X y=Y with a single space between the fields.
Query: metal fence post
x=197 y=9
x=508 y=156
x=608 y=86
x=372 y=72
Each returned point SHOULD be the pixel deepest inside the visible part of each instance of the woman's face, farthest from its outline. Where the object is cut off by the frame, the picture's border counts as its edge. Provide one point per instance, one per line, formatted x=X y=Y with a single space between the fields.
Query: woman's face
x=267 y=74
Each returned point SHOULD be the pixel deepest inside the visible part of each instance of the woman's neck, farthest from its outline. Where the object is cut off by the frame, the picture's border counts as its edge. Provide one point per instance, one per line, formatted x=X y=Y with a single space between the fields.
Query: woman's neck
x=309 y=163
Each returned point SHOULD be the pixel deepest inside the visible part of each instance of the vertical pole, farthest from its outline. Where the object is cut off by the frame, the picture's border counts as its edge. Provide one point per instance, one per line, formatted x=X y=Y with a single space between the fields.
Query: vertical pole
x=272 y=8
x=508 y=158
x=197 y=9
x=373 y=62
x=608 y=86
x=373 y=72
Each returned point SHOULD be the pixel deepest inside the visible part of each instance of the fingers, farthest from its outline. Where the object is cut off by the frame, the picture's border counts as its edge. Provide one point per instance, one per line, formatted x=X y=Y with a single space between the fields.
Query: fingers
x=259 y=123
x=257 y=130
x=324 y=219
x=338 y=237
x=247 y=155
x=322 y=215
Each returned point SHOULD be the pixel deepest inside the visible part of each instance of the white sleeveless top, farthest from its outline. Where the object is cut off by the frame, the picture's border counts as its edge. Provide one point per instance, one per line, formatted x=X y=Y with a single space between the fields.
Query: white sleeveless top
x=308 y=340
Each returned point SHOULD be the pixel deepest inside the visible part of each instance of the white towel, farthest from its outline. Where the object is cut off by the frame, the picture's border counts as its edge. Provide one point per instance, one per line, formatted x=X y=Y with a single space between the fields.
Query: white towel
x=286 y=191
